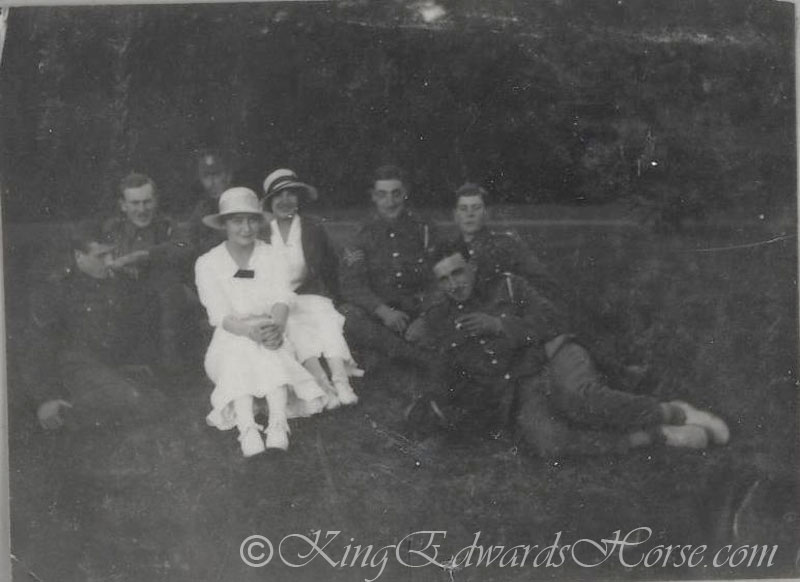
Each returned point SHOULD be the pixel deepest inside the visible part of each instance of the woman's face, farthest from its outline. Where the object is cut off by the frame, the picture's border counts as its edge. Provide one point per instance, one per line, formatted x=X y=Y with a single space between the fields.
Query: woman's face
x=285 y=204
x=242 y=229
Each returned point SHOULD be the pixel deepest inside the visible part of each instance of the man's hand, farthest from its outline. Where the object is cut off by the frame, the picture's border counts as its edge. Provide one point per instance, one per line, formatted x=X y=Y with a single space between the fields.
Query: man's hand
x=49 y=413
x=130 y=259
x=416 y=331
x=479 y=324
x=394 y=319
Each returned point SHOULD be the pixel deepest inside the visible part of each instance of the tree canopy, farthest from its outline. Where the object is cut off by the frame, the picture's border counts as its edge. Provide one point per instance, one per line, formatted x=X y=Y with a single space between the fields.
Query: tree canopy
x=682 y=105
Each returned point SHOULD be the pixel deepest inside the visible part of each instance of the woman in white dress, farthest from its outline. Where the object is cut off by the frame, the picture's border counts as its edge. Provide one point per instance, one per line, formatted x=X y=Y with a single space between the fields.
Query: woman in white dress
x=314 y=326
x=242 y=284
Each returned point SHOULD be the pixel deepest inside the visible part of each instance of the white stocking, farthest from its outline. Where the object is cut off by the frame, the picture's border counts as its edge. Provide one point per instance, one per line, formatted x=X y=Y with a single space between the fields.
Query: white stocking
x=243 y=407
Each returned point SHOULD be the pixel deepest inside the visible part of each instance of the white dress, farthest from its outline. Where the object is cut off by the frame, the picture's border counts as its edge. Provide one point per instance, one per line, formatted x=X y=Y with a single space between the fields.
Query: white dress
x=314 y=326
x=237 y=365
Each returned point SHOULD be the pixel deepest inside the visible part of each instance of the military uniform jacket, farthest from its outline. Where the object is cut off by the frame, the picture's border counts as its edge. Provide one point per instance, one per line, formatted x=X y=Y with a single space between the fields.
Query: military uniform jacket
x=388 y=263
x=529 y=321
x=158 y=238
x=103 y=318
x=199 y=237
x=494 y=253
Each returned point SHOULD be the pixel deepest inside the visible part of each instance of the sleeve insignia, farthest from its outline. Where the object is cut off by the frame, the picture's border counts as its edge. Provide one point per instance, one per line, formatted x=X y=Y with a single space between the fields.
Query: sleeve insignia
x=353 y=256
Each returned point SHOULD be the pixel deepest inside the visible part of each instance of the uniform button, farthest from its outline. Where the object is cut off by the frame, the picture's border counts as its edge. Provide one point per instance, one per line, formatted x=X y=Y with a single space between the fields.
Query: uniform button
x=391 y=235
x=395 y=254
x=507 y=376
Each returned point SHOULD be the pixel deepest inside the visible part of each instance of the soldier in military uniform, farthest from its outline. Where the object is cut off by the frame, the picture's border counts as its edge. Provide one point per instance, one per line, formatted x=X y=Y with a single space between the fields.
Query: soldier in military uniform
x=385 y=272
x=148 y=252
x=215 y=175
x=89 y=339
x=506 y=352
x=495 y=252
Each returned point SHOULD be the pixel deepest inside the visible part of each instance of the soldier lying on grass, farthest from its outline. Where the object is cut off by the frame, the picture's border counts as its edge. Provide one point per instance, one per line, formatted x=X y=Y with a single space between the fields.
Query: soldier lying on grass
x=89 y=344
x=508 y=358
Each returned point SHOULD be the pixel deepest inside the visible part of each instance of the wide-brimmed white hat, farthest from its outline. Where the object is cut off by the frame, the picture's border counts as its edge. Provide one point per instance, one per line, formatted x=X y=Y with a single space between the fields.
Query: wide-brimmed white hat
x=284 y=179
x=237 y=200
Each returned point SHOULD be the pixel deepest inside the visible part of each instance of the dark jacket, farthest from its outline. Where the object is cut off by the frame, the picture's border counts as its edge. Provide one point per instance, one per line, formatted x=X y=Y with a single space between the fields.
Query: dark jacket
x=159 y=239
x=72 y=312
x=388 y=263
x=322 y=261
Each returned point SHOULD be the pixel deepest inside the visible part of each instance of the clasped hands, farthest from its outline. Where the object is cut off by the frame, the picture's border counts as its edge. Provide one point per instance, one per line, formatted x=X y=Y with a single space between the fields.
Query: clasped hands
x=265 y=330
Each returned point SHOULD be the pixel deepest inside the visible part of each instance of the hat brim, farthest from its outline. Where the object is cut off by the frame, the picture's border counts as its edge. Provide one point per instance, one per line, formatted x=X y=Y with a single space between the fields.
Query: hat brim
x=217 y=221
x=311 y=192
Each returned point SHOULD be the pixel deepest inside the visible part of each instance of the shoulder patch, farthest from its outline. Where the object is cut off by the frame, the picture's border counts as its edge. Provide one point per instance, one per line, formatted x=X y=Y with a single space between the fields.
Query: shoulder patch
x=352 y=256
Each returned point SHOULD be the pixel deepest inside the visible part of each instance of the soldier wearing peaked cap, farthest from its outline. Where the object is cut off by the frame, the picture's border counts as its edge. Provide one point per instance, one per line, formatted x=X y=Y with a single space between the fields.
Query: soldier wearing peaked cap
x=507 y=356
x=385 y=272
x=215 y=175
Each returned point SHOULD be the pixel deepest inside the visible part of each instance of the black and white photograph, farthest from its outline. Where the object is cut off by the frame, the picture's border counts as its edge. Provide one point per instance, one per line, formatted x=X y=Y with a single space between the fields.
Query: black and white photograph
x=402 y=291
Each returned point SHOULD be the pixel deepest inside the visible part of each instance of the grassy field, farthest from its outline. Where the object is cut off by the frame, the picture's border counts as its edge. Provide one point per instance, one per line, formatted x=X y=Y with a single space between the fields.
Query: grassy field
x=173 y=500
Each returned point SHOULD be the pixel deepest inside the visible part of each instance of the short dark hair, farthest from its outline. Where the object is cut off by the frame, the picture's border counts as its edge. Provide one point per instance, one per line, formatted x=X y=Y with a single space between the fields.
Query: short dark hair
x=83 y=234
x=389 y=172
x=448 y=249
x=135 y=180
x=471 y=189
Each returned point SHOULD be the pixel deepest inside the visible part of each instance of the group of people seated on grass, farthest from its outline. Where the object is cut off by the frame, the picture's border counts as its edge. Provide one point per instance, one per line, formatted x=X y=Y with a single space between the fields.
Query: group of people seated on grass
x=477 y=317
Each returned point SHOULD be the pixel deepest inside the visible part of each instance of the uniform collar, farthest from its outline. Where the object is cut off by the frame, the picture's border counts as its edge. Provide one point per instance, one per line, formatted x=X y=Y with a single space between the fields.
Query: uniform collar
x=480 y=236
x=129 y=228
x=402 y=218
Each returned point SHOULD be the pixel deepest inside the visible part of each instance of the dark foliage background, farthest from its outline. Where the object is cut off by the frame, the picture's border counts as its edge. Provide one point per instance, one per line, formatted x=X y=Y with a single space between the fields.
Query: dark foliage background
x=680 y=108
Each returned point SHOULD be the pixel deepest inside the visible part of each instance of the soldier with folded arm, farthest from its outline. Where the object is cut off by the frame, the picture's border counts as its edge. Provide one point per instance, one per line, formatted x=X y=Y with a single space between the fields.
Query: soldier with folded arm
x=510 y=361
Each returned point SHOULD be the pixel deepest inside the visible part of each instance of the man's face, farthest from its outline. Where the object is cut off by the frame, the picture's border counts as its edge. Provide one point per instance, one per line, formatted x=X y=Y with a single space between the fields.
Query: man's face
x=470 y=214
x=96 y=261
x=215 y=183
x=455 y=277
x=139 y=205
x=389 y=197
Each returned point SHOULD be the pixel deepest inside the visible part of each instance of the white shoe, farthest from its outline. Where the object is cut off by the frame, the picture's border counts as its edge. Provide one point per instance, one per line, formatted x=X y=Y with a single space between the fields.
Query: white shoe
x=332 y=402
x=345 y=392
x=331 y=399
x=716 y=427
x=251 y=441
x=687 y=436
x=278 y=436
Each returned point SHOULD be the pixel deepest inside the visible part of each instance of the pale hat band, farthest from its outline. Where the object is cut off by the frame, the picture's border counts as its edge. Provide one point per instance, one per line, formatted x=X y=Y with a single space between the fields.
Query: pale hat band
x=237 y=200
x=284 y=179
